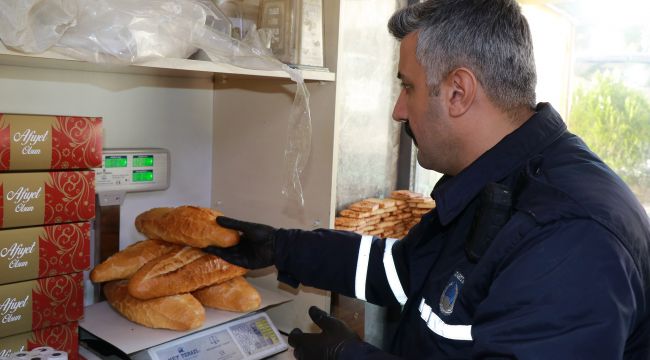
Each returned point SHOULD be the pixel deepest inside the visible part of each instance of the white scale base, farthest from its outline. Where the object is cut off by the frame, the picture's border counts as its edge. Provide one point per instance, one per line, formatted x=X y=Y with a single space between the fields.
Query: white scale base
x=251 y=337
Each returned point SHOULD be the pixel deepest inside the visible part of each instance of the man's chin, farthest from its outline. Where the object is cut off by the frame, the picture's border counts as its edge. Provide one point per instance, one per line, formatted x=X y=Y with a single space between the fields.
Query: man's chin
x=424 y=164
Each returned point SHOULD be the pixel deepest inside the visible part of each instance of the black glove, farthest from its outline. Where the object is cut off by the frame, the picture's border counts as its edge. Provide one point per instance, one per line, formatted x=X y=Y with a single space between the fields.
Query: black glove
x=328 y=344
x=256 y=248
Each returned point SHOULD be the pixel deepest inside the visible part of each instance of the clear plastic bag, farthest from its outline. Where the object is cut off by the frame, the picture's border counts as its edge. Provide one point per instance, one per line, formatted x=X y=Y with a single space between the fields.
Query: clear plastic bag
x=133 y=31
x=242 y=13
x=254 y=54
x=33 y=26
x=128 y=31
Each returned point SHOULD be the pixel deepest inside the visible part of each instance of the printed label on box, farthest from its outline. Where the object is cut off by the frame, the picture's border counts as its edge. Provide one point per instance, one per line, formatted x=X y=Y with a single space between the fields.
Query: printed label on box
x=36 y=252
x=46 y=197
x=19 y=254
x=41 y=303
x=31 y=142
x=16 y=308
x=41 y=142
x=25 y=198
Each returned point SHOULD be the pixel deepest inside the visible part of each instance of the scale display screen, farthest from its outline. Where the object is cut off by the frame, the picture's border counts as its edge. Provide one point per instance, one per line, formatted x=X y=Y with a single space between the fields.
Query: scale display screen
x=140 y=176
x=130 y=170
x=142 y=160
x=115 y=161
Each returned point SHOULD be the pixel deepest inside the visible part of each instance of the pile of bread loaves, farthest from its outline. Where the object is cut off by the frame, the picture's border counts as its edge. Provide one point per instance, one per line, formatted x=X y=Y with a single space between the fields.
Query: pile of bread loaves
x=165 y=281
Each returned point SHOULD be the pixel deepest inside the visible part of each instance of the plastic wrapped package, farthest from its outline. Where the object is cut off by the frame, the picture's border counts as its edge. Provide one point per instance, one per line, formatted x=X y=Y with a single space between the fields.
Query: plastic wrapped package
x=134 y=31
x=243 y=15
x=33 y=26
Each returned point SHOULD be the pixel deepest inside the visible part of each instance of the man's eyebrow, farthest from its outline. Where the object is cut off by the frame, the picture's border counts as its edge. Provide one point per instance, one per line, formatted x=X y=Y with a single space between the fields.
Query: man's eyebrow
x=399 y=75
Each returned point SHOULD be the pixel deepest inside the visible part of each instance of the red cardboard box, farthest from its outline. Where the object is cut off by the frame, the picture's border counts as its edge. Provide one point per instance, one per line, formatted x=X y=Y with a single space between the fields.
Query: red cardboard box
x=62 y=337
x=42 y=142
x=37 y=252
x=37 y=304
x=43 y=198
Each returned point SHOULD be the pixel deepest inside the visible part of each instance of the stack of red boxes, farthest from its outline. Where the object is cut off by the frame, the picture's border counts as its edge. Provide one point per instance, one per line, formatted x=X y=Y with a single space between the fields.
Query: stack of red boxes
x=48 y=197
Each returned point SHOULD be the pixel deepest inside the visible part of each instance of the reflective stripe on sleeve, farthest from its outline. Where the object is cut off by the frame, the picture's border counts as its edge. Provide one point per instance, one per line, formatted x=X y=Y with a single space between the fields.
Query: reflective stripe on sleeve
x=362 y=267
x=391 y=272
x=435 y=324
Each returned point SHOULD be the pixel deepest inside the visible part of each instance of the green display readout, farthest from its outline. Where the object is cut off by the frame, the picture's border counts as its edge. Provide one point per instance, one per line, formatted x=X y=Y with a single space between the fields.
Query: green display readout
x=142 y=176
x=115 y=161
x=142 y=160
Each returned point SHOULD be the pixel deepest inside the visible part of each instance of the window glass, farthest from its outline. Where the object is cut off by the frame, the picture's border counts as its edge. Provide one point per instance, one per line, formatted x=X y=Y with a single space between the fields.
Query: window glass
x=596 y=55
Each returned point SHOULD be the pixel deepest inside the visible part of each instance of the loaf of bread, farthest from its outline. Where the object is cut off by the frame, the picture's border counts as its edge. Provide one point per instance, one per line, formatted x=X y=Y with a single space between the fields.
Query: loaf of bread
x=144 y=222
x=177 y=312
x=233 y=295
x=186 y=225
x=181 y=271
x=123 y=264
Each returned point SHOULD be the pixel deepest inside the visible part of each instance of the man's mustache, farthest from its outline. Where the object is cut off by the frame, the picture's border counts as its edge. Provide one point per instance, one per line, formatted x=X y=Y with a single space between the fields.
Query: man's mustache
x=409 y=132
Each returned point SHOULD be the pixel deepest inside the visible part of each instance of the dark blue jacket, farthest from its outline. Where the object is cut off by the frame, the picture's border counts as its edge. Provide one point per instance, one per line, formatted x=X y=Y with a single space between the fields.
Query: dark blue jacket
x=566 y=277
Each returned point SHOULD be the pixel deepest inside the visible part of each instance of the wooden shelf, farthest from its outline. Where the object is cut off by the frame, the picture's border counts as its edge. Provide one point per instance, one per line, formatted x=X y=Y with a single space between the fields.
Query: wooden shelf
x=161 y=67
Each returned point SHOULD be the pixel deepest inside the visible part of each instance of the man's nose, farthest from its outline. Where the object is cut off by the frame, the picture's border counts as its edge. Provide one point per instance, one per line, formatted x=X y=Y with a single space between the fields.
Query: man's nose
x=399 y=111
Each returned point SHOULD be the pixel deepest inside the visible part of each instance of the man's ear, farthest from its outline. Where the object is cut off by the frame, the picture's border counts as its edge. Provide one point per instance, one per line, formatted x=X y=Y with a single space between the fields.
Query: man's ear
x=461 y=91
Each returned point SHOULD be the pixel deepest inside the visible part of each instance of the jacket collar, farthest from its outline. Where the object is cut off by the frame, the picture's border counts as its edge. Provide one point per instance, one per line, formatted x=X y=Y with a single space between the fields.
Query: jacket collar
x=453 y=194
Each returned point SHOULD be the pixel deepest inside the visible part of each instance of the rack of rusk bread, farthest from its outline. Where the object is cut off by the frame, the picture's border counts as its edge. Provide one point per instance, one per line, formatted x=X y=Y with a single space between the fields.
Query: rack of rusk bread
x=389 y=218
x=48 y=197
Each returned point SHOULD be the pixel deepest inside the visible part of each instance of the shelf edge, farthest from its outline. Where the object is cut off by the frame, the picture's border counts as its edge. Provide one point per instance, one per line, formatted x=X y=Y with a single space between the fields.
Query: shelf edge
x=162 y=67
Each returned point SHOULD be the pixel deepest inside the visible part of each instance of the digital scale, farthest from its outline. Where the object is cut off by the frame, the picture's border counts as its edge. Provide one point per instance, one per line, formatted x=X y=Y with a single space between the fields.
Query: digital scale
x=105 y=334
x=131 y=170
x=123 y=170
x=224 y=335
x=251 y=337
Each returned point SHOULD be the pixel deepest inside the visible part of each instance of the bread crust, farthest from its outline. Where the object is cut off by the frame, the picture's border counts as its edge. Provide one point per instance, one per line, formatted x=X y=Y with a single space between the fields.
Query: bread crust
x=123 y=264
x=236 y=294
x=144 y=222
x=177 y=312
x=186 y=225
x=181 y=271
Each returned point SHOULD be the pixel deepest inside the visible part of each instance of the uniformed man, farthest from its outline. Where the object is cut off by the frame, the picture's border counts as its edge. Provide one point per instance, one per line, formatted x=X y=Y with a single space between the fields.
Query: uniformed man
x=536 y=249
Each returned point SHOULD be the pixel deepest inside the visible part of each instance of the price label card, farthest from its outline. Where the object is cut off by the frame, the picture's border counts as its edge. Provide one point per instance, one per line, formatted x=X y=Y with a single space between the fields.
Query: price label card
x=255 y=336
x=251 y=338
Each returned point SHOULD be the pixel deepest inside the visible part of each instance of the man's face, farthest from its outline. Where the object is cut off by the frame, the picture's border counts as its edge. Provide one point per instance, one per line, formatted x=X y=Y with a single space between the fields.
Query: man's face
x=424 y=113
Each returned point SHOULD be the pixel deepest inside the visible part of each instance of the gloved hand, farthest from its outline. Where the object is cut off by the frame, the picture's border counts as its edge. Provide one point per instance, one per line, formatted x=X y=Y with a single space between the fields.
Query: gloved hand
x=256 y=248
x=328 y=344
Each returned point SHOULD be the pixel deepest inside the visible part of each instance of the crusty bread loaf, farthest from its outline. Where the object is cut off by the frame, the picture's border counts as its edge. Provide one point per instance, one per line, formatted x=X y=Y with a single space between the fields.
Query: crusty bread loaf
x=181 y=271
x=186 y=225
x=144 y=222
x=176 y=312
x=233 y=295
x=123 y=264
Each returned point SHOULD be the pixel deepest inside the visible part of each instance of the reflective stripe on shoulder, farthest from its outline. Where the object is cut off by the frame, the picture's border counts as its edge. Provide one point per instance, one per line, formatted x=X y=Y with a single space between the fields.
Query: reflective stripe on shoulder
x=391 y=272
x=439 y=327
x=362 y=267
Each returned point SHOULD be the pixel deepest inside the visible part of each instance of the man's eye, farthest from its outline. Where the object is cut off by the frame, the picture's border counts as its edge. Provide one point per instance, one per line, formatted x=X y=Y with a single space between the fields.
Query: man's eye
x=406 y=86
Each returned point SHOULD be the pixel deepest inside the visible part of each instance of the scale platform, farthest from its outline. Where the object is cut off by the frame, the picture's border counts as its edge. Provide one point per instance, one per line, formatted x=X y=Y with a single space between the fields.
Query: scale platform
x=225 y=335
